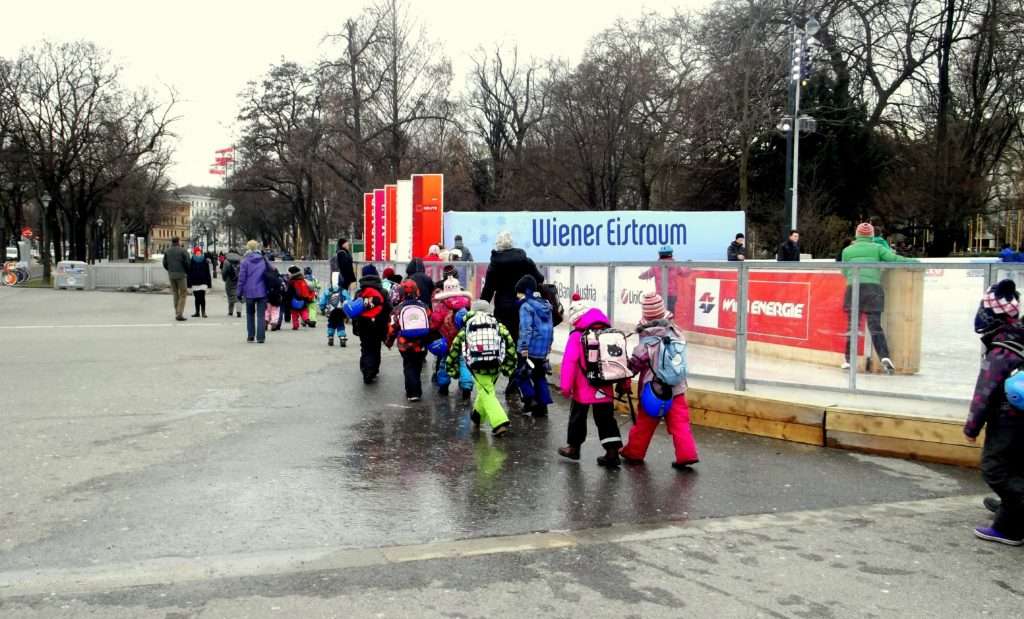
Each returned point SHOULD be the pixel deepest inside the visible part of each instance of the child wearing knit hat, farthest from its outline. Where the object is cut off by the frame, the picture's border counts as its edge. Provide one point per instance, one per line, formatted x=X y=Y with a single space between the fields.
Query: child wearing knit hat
x=449 y=298
x=656 y=330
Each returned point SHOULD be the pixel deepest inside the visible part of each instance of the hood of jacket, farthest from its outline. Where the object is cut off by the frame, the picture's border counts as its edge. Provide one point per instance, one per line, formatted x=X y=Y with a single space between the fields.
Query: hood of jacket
x=658 y=328
x=373 y=281
x=199 y=258
x=590 y=318
x=415 y=266
x=233 y=257
x=540 y=307
x=458 y=301
x=508 y=256
x=253 y=257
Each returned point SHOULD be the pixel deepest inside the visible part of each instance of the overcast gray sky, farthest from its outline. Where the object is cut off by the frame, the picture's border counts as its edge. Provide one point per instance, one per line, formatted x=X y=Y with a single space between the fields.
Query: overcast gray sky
x=207 y=50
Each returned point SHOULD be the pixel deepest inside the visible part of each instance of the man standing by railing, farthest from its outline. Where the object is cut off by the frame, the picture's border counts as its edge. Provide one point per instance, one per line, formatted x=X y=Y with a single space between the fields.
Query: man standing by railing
x=176 y=263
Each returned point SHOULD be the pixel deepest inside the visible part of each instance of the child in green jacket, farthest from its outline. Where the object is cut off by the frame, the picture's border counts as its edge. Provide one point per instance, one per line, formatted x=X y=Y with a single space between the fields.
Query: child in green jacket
x=489 y=351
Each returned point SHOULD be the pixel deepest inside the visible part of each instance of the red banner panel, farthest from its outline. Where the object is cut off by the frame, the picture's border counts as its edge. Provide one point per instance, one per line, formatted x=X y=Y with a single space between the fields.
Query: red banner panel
x=427 y=212
x=368 y=226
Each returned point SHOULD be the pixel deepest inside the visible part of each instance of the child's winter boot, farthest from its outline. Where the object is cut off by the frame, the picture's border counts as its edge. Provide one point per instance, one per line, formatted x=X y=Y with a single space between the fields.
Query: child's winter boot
x=343 y=341
x=466 y=394
x=610 y=458
x=330 y=340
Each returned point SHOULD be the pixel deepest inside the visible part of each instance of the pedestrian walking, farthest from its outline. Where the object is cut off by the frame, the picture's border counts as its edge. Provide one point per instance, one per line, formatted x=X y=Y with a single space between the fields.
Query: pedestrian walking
x=671 y=294
x=508 y=265
x=433 y=254
x=448 y=301
x=789 y=250
x=176 y=263
x=229 y=274
x=314 y=287
x=300 y=297
x=371 y=327
x=536 y=335
x=659 y=360
x=865 y=249
x=410 y=329
x=417 y=272
x=998 y=407
x=488 y=350
x=464 y=254
x=252 y=287
x=737 y=251
x=199 y=280
x=343 y=265
x=331 y=301
x=584 y=395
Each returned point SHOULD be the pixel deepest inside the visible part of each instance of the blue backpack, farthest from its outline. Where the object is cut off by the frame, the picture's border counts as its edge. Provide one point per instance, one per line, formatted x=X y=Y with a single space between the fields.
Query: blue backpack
x=668 y=359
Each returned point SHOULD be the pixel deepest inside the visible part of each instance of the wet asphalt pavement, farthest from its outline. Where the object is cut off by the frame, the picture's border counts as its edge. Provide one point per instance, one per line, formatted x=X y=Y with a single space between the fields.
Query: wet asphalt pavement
x=142 y=441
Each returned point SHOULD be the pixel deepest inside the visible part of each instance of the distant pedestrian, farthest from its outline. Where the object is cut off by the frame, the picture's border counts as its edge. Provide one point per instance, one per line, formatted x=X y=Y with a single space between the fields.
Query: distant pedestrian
x=199 y=280
x=879 y=237
x=410 y=329
x=314 y=287
x=331 y=301
x=229 y=273
x=536 y=335
x=871 y=295
x=488 y=350
x=300 y=297
x=584 y=395
x=737 y=251
x=176 y=262
x=789 y=251
x=417 y=272
x=665 y=254
x=371 y=327
x=252 y=287
x=464 y=254
x=1007 y=254
x=660 y=363
x=448 y=300
x=343 y=265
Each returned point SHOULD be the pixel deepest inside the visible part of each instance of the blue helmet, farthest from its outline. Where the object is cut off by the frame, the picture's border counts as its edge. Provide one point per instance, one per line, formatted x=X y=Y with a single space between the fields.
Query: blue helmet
x=438 y=347
x=1014 y=387
x=665 y=250
x=655 y=405
x=460 y=318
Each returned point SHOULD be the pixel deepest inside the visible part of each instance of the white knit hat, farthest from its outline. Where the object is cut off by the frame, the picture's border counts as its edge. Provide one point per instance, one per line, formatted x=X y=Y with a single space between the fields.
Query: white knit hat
x=577 y=308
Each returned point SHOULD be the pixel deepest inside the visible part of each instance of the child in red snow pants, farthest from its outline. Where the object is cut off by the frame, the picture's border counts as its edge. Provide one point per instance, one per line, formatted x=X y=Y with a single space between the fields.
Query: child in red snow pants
x=677 y=422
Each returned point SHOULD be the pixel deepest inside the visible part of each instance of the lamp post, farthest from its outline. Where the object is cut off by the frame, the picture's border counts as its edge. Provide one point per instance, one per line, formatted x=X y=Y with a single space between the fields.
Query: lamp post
x=99 y=239
x=229 y=210
x=791 y=124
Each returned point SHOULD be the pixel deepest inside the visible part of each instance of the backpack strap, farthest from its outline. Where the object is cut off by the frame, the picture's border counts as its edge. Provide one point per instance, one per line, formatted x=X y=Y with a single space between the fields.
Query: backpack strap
x=1015 y=347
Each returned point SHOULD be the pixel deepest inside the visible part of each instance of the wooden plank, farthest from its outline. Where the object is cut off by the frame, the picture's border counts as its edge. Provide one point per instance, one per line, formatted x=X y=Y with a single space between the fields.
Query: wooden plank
x=905 y=448
x=927 y=430
x=759 y=408
x=797 y=433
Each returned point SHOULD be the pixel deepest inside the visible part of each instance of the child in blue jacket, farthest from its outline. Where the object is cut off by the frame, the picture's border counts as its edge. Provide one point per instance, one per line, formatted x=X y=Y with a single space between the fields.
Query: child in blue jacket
x=331 y=300
x=536 y=334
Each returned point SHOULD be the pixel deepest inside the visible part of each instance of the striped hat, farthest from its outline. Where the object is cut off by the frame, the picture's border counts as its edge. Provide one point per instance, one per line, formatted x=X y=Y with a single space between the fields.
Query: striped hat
x=865 y=229
x=1002 y=302
x=653 y=307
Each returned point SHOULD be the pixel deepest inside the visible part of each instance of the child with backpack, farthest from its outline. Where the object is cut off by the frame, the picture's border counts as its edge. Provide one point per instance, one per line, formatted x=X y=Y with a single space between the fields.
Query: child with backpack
x=300 y=297
x=276 y=291
x=331 y=301
x=536 y=334
x=314 y=287
x=594 y=366
x=410 y=328
x=488 y=350
x=998 y=407
x=659 y=360
x=371 y=326
x=448 y=300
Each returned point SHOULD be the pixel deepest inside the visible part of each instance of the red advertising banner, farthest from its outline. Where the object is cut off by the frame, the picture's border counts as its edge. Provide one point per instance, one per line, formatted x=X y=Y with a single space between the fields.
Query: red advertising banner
x=368 y=225
x=379 y=225
x=391 y=207
x=802 y=309
x=427 y=212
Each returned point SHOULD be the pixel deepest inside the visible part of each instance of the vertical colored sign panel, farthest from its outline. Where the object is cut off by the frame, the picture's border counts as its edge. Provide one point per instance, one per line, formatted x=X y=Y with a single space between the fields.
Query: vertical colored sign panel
x=427 y=212
x=368 y=225
x=391 y=206
x=379 y=225
x=403 y=222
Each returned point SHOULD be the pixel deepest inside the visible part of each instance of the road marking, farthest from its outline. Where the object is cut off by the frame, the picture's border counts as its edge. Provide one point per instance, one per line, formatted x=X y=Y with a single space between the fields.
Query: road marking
x=147 y=325
x=178 y=570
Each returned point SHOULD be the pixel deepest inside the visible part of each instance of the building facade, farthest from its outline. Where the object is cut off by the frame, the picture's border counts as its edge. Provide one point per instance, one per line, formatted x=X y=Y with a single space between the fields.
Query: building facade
x=175 y=221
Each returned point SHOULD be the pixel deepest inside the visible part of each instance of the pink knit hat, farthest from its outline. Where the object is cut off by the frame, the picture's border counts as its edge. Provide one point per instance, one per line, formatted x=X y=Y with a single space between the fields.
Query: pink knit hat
x=866 y=229
x=653 y=307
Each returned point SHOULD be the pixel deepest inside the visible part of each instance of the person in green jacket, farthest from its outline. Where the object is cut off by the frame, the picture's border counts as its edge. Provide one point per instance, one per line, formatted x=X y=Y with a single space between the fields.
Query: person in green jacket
x=865 y=249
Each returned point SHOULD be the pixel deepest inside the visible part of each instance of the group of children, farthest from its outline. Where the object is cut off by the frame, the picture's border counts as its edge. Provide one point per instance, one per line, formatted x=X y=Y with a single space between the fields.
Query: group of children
x=293 y=299
x=472 y=347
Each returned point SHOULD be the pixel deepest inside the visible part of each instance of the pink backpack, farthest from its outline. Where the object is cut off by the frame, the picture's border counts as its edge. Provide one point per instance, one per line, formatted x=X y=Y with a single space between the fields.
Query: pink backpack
x=605 y=359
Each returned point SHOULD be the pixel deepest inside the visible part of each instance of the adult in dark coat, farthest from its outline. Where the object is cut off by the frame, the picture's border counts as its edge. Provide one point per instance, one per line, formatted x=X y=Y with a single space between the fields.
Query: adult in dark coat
x=508 y=265
x=417 y=272
x=199 y=280
x=789 y=251
x=344 y=266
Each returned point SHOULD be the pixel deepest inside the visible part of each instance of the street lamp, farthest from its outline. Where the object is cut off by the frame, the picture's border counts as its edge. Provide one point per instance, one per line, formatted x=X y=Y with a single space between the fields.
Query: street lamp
x=791 y=124
x=229 y=210
x=99 y=238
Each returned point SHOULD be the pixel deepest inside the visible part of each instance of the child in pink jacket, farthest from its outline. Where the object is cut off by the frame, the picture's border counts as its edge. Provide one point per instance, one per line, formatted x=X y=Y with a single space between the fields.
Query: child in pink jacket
x=657 y=323
x=574 y=386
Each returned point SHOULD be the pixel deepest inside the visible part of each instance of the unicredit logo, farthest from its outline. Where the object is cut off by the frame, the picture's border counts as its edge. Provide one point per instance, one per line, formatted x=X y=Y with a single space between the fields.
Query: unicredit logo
x=707 y=303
